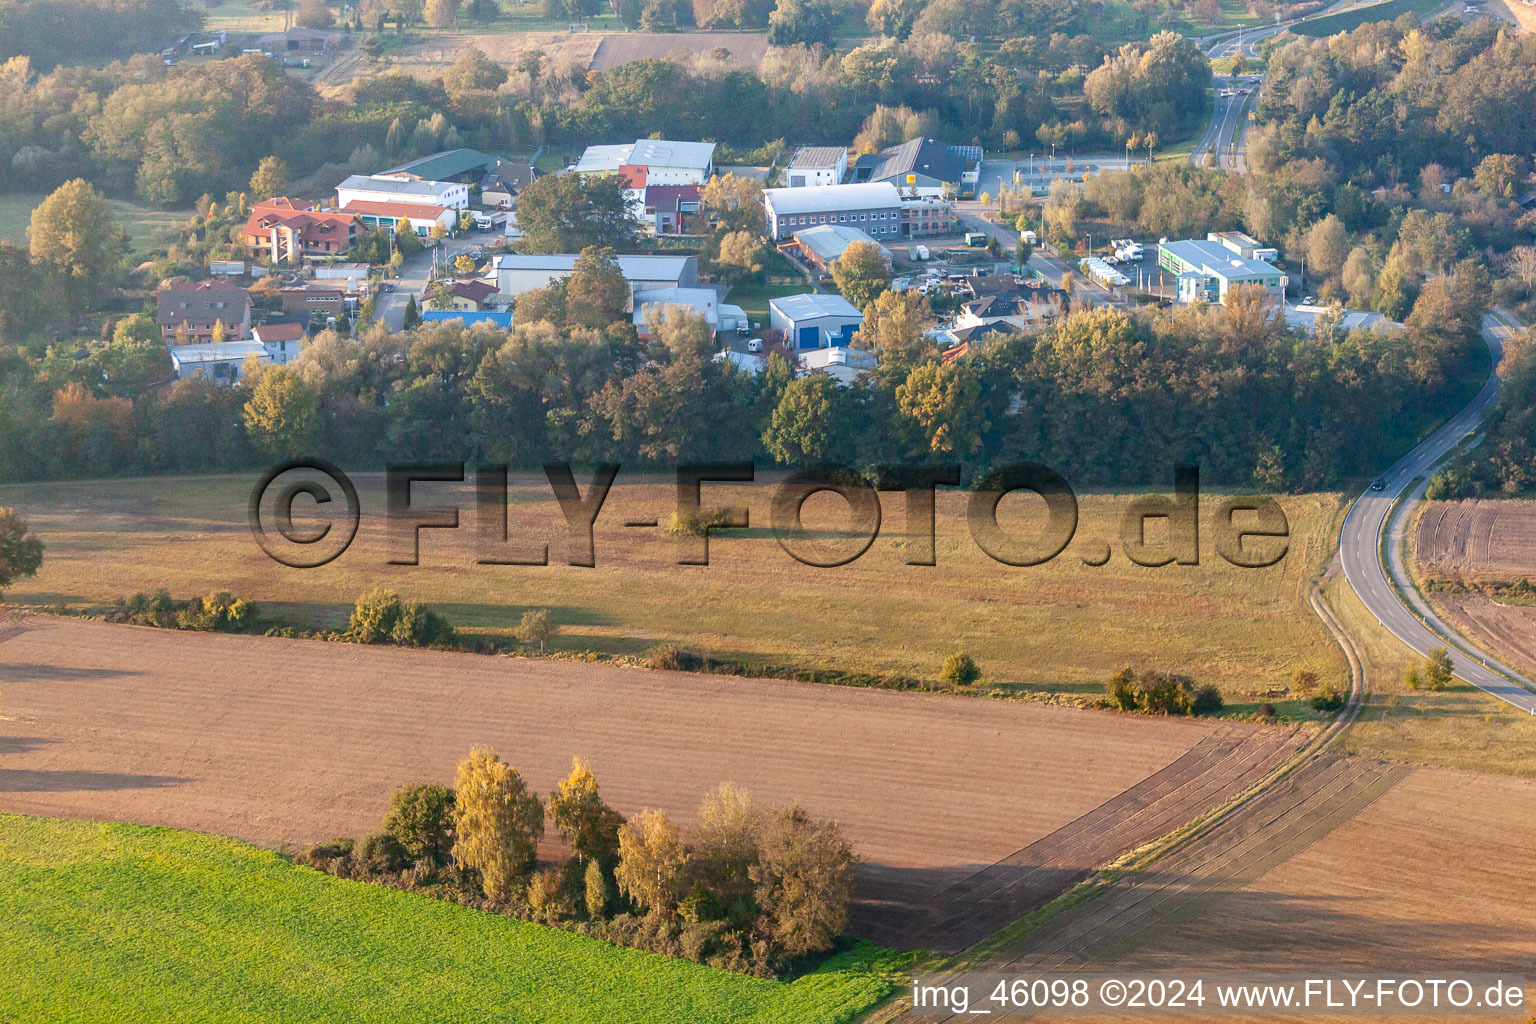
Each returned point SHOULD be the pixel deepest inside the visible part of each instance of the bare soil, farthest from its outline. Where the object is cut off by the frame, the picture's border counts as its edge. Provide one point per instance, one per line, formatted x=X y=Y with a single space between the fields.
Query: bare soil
x=1349 y=865
x=285 y=742
x=1474 y=542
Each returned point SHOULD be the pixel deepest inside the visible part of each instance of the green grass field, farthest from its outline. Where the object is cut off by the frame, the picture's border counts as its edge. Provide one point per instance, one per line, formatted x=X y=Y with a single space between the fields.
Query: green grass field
x=147 y=229
x=112 y=923
x=16 y=215
x=1347 y=21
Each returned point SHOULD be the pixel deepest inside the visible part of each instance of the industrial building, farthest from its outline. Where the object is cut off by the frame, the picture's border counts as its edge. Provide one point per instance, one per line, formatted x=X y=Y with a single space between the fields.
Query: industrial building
x=1207 y=270
x=878 y=209
x=814 y=320
x=515 y=274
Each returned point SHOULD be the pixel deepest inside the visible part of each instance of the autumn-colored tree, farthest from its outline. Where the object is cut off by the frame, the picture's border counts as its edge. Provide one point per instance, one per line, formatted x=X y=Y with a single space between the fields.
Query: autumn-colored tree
x=270 y=179
x=1439 y=671
x=74 y=233
x=740 y=256
x=282 y=416
x=497 y=822
x=21 y=553
x=945 y=403
x=464 y=264
x=860 y=273
x=736 y=203
x=653 y=862
x=893 y=328
x=473 y=71
x=535 y=628
x=804 y=880
x=442 y=13
x=684 y=332
x=589 y=826
x=725 y=846
x=1327 y=246
x=596 y=293
x=1304 y=681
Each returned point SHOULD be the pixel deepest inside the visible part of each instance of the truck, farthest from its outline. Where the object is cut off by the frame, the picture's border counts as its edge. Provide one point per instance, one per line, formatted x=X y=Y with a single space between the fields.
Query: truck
x=1031 y=238
x=920 y=252
x=976 y=238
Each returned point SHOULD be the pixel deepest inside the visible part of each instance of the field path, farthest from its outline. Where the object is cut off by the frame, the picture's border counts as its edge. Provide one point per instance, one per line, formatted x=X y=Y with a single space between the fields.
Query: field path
x=289 y=742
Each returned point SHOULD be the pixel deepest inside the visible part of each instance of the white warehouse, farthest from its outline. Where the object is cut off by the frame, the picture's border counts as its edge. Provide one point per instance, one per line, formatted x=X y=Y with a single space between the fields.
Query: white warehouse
x=392 y=188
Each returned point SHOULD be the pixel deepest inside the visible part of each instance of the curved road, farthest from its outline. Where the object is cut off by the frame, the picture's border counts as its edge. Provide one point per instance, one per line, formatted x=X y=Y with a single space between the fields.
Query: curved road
x=1361 y=552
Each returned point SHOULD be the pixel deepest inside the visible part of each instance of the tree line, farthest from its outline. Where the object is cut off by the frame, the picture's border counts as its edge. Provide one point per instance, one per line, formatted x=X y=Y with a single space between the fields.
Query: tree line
x=742 y=889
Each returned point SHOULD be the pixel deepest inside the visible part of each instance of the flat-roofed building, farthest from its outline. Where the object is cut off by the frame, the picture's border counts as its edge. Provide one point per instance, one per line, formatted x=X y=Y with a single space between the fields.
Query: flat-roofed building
x=822 y=245
x=1246 y=246
x=816 y=165
x=402 y=188
x=652 y=162
x=515 y=273
x=1207 y=270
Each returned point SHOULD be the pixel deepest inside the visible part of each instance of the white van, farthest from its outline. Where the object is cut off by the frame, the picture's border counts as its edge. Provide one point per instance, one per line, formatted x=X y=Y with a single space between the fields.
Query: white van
x=920 y=252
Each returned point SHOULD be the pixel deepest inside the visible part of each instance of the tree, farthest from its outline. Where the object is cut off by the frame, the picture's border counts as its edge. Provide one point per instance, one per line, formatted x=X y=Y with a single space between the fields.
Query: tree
x=1357 y=278
x=590 y=827
x=473 y=72
x=653 y=862
x=442 y=13
x=808 y=423
x=21 y=553
x=804 y=880
x=464 y=264
x=860 y=273
x=1022 y=253
x=535 y=628
x=945 y=404
x=1498 y=175
x=314 y=14
x=412 y=316
x=420 y=819
x=74 y=233
x=1522 y=260
x=1327 y=246
x=800 y=21
x=960 y=669
x=1304 y=681
x=1438 y=669
x=725 y=846
x=497 y=822
x=893 y=328
x=282 y=416
x=739 y=258
x=682 y=331
x=596 y=293
x=270 y=179
x=570 y=212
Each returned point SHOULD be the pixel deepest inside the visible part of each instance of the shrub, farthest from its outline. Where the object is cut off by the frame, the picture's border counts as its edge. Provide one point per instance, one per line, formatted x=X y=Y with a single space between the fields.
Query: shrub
x=1266 y=711
x=420 y=819
x=418 y=626
x=595 y=890
x=324 y=856
x=959 y=670
x=228 y=612
x=1207 y=701
x=1122 y=689
x=671 y=658
x=374 y=615
x=1160 y=693
x=547 y=897
x=1328 y=699
x=1303 y=681
x=380 y=853
x=1438 y=669
x=688 y=522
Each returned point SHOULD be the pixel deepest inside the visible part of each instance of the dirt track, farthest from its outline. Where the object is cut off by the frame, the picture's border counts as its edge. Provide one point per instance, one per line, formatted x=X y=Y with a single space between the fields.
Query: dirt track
x=287 y=742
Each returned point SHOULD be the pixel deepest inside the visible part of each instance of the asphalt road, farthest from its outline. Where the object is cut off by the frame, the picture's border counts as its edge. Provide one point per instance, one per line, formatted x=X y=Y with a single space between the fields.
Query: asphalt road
x=1050 y=267
x=414 y=272
x=1368 y=575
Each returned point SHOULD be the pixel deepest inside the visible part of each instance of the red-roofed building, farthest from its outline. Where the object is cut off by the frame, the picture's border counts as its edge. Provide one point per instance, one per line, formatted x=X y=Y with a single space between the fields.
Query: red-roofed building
x=285 y=230
x=283 y=342
x=468 y=296
x=393 y=216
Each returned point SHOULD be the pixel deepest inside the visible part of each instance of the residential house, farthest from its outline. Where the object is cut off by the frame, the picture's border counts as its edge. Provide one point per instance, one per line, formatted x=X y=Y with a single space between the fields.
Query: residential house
x=192 y=309
x=397 y=217
x=467 y=318
x=1207 y=270
x=221 y=362
x=652 y=162
x=469 y=296
x=669 y=208
x=1023 y=306
x=822 y=245
x=816 y=165
x=499 y=187
x=282 y=341
x=290 y=231
x=923 y=167
x=318 y=300
x=401 y=188
x=515 y=273
x=651 y=304
x=814 y=320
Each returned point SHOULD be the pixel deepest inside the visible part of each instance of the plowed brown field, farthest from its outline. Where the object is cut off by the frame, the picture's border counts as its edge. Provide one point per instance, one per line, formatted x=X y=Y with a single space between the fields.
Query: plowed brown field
x=288 y=742
x=1483 y=541
x=1347 y=866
